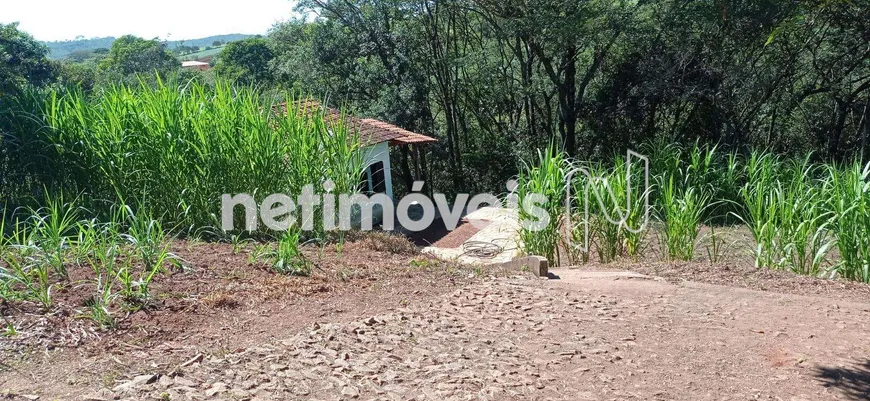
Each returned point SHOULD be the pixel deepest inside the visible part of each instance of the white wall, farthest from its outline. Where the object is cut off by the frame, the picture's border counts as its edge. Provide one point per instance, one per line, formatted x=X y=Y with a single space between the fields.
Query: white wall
x=379 y=153
x=372 y=154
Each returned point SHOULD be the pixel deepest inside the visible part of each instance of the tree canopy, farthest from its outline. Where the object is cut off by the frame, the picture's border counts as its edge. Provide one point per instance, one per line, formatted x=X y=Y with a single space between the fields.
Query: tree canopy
x=131 y=55
x=23 y=60
x=499 y=79
x=247 y=61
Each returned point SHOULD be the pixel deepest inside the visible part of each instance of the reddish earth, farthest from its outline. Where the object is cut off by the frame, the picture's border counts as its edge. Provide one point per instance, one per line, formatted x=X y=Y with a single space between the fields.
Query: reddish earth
x=438 y=235
x=214 y=281
x=463 y=232
x=380 y=322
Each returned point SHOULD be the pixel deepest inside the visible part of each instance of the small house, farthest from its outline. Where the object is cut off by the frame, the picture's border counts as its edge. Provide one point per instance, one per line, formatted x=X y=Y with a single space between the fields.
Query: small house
x=194 y=65
x=376 y=138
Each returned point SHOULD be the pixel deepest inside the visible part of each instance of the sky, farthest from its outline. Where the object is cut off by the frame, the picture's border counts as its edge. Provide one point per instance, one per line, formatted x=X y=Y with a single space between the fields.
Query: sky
x=50 y=20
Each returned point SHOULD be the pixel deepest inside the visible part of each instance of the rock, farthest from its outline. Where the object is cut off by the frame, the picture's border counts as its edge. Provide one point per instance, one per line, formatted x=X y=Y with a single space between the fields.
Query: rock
x=165 y=381
x=300 y=390
x=137 y=381
x=248 y=384
x=95 y=397
x=340 y=363
x=239 y=393
x=277 y=368
x=181 y=381
x=350 y=391
x=184 y=389
x=215 y=389
x=101 y=395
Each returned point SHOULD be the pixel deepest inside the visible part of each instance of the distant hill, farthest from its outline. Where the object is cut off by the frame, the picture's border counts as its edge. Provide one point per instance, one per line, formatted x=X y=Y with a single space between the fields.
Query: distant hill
x=62 y=49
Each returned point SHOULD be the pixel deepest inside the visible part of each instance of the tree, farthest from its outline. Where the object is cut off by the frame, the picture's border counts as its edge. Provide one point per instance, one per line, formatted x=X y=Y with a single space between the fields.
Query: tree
x=130 y=55
x=83 y=75
x=496 y=79
x=23 y=60
x=184 y=49
x=364 y=55
x=246 y=61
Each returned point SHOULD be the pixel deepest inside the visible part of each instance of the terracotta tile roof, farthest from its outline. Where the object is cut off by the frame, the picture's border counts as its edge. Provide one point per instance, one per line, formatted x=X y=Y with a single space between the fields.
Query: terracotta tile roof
x=371 y=131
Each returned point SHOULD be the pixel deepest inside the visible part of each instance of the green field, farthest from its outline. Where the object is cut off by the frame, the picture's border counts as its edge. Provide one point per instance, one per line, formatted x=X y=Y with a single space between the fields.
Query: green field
x=202 y=53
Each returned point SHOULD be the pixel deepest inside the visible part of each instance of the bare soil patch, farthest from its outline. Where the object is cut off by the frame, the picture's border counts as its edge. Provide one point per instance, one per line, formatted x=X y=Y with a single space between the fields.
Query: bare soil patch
x=577 y=338
x=438 y=235
x=376 y=320
x=219 y=302
x=745 y=275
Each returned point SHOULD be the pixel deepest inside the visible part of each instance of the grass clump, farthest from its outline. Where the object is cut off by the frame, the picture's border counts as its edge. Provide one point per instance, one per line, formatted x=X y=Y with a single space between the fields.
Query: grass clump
x=682 y=209
x=23 y=277
x=287 y=258
x=391 y=243
x=546 y=178
x=848 y=198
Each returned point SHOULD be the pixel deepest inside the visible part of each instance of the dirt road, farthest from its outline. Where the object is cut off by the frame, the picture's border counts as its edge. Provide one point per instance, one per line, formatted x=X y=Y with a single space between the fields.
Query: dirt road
x=584 y=336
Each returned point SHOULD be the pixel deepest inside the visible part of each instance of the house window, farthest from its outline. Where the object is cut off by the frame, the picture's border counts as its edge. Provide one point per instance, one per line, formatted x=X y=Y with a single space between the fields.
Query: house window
x=365 y=182
x=373 y=179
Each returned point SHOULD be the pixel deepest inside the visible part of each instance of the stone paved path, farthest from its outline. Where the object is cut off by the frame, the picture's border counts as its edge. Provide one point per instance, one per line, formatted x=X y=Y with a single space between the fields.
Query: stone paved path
x=584 y=337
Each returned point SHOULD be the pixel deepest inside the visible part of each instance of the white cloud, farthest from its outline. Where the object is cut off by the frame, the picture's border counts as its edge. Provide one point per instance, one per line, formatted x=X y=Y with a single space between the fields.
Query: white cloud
x=50 y=20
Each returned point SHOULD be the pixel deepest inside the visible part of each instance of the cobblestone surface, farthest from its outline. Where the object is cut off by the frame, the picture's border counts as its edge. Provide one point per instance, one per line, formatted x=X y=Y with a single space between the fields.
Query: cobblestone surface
x=596 y=339
x=482 y=342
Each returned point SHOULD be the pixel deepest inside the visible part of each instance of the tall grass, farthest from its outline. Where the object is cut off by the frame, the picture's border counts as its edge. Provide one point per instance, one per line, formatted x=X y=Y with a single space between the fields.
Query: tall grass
x=170 y=150
x=616 y=209
x=802 y=218
x=848 y=197
x=797 y=212
x=547 y=178
x=759 y=202
x=682 y=208
x=176 y=148
x=705 y=168
x=148 y=162
x=786 y=213
x=602 y=192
